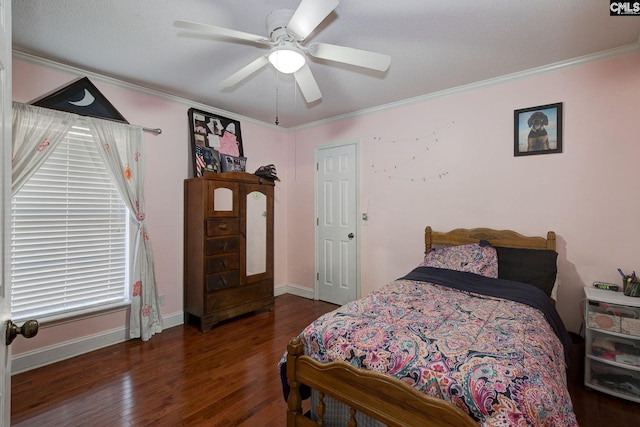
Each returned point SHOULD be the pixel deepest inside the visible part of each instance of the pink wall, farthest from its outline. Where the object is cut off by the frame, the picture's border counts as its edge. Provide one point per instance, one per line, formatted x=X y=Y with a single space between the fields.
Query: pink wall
x=446 y=162
x=166 y=168
x=458 y=149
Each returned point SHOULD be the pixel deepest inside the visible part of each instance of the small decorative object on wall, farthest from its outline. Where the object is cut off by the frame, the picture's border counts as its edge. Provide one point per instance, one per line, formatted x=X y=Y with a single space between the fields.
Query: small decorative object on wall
x=212 y=137
x=538 y=130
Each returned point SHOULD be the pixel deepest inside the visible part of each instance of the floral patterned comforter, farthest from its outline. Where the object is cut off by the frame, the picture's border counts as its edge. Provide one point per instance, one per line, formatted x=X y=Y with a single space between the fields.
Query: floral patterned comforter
x=498 y=360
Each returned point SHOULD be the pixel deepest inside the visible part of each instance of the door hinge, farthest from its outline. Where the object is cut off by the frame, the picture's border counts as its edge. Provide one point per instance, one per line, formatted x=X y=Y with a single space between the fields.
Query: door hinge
x=317 y=221
x=317 y=166
x=317 y=276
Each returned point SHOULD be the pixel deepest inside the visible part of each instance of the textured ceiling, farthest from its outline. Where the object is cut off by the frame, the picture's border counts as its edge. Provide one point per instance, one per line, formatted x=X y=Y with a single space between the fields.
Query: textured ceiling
x=435 y=45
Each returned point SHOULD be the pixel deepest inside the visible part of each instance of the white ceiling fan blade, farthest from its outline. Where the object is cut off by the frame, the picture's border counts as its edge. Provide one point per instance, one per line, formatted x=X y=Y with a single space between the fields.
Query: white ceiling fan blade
x=220 y=31
x=308 y=15
x=307 y=84
x=245 y=72
x=349 y=55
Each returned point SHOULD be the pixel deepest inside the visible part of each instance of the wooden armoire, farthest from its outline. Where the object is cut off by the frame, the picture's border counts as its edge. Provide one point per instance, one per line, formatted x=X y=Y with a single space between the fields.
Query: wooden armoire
x=228 y=247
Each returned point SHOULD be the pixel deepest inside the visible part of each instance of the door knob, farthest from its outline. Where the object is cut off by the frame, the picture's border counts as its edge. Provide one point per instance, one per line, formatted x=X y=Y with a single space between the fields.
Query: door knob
x=350 y=236
x=28 y=330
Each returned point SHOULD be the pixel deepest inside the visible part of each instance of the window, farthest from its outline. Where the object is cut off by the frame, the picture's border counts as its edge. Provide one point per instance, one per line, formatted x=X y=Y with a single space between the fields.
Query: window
x=69 y=235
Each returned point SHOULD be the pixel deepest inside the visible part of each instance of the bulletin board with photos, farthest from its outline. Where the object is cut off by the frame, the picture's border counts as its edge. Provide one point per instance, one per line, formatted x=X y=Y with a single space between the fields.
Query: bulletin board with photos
x=216 y=143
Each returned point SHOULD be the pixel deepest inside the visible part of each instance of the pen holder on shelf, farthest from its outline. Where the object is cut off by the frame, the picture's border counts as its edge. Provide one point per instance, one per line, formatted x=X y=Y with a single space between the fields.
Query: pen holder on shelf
x=631 y=287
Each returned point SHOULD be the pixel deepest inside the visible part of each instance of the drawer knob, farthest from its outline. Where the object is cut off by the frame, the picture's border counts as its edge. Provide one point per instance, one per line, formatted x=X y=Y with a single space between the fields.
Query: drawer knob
x=223 y=227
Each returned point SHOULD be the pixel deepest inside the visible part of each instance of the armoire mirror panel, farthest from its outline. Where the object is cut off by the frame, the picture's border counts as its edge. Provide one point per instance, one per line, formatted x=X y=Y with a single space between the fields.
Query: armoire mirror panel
x=256 y=233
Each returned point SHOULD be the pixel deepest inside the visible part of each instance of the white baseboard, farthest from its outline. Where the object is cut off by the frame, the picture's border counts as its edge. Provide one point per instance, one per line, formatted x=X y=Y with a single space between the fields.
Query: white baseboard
x=68 y=349
x=294 y=290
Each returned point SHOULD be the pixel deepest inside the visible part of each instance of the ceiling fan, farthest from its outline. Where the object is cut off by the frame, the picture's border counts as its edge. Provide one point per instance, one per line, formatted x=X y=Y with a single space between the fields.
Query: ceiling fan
x=287 y=30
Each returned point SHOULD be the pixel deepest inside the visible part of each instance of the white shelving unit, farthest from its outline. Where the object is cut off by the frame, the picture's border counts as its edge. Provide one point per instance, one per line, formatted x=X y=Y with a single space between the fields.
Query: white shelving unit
x=612 y=343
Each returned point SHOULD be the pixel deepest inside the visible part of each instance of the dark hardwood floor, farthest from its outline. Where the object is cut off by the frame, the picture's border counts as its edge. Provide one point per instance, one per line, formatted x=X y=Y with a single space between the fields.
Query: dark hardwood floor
x=225 y=378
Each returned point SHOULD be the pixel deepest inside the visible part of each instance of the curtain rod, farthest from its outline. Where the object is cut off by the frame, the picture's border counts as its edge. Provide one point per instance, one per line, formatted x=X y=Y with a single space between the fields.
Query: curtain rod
x=156 y=131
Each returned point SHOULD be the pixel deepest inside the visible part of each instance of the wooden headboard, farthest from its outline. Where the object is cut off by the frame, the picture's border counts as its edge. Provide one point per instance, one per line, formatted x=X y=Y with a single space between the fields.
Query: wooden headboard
x=503 y=238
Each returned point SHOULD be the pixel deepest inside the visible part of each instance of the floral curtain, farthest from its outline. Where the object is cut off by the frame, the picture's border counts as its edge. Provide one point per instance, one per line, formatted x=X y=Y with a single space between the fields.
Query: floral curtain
x=122 y=149
x=36 y=131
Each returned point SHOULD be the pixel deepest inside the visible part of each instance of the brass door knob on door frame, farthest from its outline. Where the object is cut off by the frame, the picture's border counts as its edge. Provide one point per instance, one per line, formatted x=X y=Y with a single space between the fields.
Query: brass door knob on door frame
x=29 y=329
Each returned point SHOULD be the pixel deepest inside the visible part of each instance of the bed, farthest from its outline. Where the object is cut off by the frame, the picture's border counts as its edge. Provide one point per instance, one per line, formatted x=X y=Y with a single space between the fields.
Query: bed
x=469 y=337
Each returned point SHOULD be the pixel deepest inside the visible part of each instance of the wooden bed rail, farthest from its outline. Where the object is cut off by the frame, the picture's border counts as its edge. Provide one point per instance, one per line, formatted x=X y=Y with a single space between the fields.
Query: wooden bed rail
x=380 y=396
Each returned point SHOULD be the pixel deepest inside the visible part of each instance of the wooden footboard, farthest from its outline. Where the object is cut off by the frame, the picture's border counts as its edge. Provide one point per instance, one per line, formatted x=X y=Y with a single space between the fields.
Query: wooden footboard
x=377 y=395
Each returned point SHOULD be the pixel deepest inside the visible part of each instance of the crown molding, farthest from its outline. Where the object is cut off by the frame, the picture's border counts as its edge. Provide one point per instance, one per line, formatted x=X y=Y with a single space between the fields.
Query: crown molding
x=27 y=57
x=582 y=60
x=599 y=56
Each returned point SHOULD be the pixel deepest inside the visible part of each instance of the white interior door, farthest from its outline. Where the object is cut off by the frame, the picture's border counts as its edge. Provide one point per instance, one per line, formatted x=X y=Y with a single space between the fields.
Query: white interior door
x=5 y=191
x=336 y=223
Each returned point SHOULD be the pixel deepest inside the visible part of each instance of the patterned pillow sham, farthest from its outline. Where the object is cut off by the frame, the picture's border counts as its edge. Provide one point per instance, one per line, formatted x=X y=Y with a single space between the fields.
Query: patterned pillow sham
x=473 y=258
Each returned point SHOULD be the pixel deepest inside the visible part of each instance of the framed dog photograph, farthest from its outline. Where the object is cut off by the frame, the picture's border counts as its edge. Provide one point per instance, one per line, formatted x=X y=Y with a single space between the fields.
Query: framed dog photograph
x=538 y=130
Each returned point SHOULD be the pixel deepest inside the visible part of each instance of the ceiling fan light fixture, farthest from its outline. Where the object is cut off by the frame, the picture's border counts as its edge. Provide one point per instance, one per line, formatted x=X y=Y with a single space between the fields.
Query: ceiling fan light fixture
x=287 y=60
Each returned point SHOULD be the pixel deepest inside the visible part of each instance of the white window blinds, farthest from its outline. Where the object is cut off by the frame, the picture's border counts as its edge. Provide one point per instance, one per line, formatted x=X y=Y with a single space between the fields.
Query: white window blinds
x=69 y=235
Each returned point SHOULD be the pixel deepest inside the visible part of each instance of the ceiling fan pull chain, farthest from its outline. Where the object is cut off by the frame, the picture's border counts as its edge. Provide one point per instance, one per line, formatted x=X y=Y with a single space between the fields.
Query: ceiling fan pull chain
x=277 y=84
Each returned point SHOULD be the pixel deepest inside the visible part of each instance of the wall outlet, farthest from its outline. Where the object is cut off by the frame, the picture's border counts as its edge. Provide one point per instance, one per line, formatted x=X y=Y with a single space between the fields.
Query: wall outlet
x=161 y=299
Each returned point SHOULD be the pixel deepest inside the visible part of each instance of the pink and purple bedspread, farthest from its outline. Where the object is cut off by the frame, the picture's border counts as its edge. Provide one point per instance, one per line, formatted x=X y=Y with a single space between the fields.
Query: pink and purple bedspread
x=497 y=359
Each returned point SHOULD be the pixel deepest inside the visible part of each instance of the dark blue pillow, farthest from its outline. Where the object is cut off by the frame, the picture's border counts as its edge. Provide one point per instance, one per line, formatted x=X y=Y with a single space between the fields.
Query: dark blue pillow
x=536 y=267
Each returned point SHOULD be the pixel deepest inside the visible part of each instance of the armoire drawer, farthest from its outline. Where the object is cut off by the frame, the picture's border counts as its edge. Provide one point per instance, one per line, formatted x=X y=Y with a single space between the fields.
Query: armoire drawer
x=223 y=227
x=225 y=298
x=228 y=279
x=220 y=263
x=221 y=245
